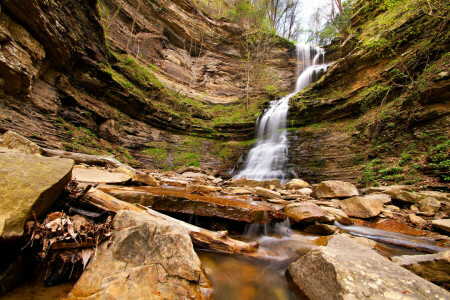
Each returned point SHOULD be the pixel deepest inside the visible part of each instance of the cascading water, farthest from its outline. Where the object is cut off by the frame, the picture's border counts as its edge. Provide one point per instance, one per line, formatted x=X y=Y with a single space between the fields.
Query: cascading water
x=268 y=158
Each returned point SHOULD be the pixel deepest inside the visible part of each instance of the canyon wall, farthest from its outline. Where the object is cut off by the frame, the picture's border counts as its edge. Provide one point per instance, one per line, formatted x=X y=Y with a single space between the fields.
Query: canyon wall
x=155 y=83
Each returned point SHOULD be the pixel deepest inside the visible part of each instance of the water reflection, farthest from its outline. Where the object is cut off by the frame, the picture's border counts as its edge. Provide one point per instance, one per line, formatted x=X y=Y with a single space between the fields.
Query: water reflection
x=260 y=277
x=244 y=279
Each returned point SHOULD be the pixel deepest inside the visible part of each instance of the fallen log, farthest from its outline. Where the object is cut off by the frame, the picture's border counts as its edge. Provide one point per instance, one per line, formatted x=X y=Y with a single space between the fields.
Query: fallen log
x=402 y=243
x=87 y=159
x=218 y=241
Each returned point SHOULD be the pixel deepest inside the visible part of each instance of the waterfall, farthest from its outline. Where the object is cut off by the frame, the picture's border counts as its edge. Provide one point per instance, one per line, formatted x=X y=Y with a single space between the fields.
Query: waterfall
x=269 y=157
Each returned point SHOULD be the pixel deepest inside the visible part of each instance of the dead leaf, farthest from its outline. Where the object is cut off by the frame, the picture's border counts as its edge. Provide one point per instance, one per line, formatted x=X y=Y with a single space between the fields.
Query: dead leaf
x=70 y=229
x=55 y=215
x=86 y=256
x=78 y=222
x=56 y=225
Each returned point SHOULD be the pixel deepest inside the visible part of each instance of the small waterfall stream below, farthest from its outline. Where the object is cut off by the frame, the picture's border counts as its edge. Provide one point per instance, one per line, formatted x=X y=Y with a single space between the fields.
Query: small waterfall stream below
x=269 y=157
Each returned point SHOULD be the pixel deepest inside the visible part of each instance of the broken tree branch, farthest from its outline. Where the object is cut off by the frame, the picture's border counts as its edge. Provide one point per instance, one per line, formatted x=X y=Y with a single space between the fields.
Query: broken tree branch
x=87 y=159
x=218 y=241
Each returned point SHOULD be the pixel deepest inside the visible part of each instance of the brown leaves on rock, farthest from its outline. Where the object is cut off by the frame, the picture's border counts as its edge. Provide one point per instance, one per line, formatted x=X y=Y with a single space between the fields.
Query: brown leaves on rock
x=60 y=231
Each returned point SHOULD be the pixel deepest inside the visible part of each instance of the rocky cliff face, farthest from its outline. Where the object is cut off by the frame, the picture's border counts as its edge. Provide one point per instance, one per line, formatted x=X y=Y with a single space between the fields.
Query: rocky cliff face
x=381 y=112
x=154 y=83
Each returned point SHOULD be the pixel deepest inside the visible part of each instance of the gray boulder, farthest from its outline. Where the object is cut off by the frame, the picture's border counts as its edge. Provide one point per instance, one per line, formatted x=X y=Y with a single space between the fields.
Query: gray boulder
x=305 y=213
x=429 y=204
x=147 y=258
x=29 y=185
x=346 y=270
x=334 y=189
x=361 y=207
x=432 y=267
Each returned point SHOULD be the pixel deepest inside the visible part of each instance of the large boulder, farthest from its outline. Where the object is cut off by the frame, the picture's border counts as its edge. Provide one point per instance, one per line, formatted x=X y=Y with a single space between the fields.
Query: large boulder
x=361 y=207
x=429 y=204
x=334 y=189
x=432 y=267
x=304 y=213
x=296 y=184
x=346 y=270
x=146 y=258
x=29 y=185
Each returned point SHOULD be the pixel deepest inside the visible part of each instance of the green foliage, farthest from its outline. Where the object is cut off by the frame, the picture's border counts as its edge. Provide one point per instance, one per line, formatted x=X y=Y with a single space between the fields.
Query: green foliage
x=156 y=153
x=338 y=26
x=84 y=140
x=439 y=160
x=188 y=159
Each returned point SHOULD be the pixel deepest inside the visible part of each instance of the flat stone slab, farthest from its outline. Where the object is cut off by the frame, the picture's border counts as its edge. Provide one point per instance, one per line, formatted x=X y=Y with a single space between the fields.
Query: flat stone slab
x=28 y=184
x=97 y=175
x=346 y=270
x=443 y=224
x=238 y=208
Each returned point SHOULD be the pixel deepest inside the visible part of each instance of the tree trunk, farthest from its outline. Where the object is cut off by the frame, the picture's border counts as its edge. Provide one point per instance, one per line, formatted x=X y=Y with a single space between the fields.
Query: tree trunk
x=217 y=241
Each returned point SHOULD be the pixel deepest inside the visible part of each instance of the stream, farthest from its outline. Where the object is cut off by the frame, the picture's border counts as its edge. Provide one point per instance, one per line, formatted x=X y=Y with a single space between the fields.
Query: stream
x=246 y=278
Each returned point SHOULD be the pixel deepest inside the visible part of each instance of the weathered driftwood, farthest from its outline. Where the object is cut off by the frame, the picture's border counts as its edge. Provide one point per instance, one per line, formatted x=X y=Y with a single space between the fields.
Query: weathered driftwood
x=87 y=158
x=218 y=241
x=402 y=243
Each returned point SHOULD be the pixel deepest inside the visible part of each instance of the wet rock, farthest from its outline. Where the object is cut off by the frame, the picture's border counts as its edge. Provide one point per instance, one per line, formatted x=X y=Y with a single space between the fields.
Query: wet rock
x=15 y=141
x=206 y=189
x=443 y=224
x=416 y=220
x=321 y=229
x=364 y=241
x=146 y=179
x=147 y=258
x=240 y=191
x=338 y=214
x=429 y=204
x=361 y=207
x=334 y=189
x=180 y=201
x=296 y=184
x=267 y=193
x=436 y=195
x=351 y=271
x=97 y=175
x=29 y=184
x=432 y=267
x=304 y=213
